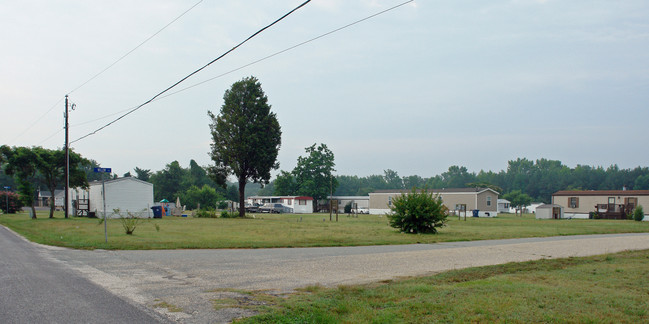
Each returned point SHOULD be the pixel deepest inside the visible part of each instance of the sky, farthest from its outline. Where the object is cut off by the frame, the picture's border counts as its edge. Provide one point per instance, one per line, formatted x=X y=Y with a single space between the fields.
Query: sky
x=416 y=89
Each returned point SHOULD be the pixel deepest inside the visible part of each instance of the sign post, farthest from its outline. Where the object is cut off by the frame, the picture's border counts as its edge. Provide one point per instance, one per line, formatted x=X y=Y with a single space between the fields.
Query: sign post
x=7 y=196
x=103 y=194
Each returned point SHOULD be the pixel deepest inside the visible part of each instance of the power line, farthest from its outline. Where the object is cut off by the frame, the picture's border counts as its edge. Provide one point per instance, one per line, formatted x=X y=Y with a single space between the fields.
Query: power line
x=104 y=70
x=256 y=61
x=289 y=48
x=136 y=47
x=36 y=121
x=191 y=74
x=45 y=140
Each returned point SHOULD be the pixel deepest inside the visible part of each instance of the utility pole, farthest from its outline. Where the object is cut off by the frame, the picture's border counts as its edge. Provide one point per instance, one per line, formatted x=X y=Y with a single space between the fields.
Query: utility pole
x=67 y=159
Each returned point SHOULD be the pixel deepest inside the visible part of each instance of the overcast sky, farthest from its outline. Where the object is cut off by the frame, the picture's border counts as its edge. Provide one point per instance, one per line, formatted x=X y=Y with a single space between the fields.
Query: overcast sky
x=417 y=89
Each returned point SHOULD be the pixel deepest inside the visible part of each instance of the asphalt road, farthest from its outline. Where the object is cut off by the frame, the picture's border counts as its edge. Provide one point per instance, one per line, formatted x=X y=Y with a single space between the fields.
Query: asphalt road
x=34 y=288
x=191 y=280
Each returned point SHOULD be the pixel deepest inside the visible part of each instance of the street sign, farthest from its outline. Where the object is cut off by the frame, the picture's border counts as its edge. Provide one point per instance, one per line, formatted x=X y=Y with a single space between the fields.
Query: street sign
x=102 y=170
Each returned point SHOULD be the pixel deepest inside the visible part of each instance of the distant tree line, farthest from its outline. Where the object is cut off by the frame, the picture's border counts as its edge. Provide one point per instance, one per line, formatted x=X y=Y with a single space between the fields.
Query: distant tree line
x=539 y=179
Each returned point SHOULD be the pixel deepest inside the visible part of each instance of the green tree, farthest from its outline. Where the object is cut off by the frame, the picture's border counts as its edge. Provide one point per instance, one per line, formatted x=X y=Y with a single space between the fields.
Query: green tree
x=206 y=196
x=412 y=181
x=246 y=137
x=418 y=212
x=142 y=174
x=284 y=184
x=457 y=177
x=89 y=169
x=51 y=166
x=167 y=183
x=198 y=175
x=22 y=163
x=641 y=182
x=313 y=173
x=393 y=179
x=519 y=200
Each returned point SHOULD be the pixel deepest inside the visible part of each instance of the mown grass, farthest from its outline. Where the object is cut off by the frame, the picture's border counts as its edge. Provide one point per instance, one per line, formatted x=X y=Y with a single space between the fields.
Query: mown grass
x=600 y=289
x=290 y=230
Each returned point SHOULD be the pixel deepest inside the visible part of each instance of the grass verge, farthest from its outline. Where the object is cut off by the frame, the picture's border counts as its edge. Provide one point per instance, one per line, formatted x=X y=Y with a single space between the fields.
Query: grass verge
x=608 y=288
x=291 y=230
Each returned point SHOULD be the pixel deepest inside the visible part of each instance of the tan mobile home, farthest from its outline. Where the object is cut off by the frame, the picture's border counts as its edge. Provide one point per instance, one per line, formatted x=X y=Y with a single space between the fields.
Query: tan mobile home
x=484 y=200
x=613 y=203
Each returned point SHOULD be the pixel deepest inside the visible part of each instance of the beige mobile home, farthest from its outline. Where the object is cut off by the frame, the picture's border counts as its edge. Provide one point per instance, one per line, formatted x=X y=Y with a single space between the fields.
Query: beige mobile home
x=614 y=204
x=482 y=200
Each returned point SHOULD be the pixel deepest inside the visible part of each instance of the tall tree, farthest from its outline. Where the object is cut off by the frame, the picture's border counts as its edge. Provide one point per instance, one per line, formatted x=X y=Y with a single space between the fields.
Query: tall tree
x=51 y=166
x=314 y=173
x=284 y=184
x=168 y=182
x=142 y=174
x=457 y=177
x=89 y=170
x=246 y=137
x=393 y=179
x=519 y=200
x=22 y=162
x=198 y=175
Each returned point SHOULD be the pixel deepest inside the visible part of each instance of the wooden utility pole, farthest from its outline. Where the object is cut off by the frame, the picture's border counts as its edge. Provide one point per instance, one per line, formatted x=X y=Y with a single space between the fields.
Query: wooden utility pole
x=67 y=160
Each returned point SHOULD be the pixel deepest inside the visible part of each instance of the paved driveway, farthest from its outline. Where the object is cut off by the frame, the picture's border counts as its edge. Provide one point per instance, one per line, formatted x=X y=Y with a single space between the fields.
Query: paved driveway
x=192 y=279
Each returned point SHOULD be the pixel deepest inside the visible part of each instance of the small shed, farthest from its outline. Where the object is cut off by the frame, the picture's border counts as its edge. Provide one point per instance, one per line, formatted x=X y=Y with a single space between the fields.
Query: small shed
x=126 y=194
x=549 y=211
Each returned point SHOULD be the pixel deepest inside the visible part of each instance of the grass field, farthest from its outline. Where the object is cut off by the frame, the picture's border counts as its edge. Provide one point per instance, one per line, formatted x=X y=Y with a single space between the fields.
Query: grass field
x=601 y=289
x=290 y=230
x=610 y=288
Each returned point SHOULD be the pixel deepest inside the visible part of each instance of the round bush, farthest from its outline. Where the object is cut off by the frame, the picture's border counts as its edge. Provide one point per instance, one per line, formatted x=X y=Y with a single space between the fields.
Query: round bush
x=418 y=212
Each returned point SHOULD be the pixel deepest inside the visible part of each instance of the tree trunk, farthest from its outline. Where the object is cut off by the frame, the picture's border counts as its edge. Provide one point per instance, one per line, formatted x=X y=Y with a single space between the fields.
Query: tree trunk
x=52 y=203
x=242 y=193
x=33 y=211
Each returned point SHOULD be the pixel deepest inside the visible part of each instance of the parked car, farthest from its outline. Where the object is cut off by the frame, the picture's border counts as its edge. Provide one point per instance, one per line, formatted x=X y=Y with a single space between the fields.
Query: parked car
x=363 y=210
x=274 y=208
x=254 y=208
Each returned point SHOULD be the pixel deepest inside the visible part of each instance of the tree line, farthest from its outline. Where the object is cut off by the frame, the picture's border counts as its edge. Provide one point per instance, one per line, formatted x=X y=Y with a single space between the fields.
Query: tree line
x=539 y=179
x=27 y=169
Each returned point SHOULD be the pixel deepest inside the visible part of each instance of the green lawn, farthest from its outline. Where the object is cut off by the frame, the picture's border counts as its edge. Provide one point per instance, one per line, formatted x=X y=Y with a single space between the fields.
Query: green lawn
x=290 y=230
x=601 y=289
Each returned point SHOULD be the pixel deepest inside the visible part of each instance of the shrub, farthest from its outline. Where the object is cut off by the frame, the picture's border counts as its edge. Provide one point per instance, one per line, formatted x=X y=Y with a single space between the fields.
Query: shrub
x=418 y=212
x=226 y=214
x=638 y=214
x=222 y=204
x=348 y=208
x=206 y=213
x=131 y=220
x=15 y=204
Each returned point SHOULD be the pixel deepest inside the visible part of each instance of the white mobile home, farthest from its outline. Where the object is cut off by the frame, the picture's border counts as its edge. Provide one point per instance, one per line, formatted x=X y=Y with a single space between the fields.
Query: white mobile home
x=356 y=202
x=126 y=194
x=298 y=204
x=503 y=205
